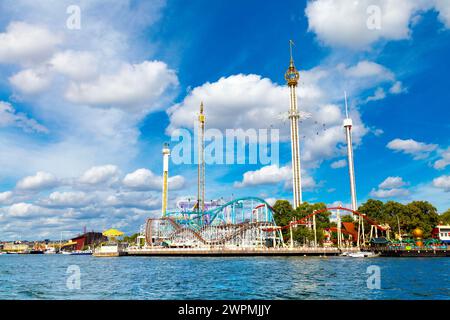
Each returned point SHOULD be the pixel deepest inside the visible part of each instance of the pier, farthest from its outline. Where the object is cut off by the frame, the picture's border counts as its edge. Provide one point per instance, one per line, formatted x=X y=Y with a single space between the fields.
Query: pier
x=229 y=252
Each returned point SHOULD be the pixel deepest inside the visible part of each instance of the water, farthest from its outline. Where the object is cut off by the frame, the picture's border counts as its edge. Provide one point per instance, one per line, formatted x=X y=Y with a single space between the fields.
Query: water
x=45 y=276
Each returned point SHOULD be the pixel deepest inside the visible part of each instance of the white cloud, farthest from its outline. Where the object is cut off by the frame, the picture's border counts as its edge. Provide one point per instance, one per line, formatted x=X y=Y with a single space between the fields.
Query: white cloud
x=9 y=117
x=418 y=150
x=40 y=181
x=252 y=102
x=344 y=23
x=106 y=174
x=23 y=210
x=176 y=182
x=139 y=200
x=378 y=95
x=5 y=197
x=369 y=69
x=136 y=87
x=77 y=65
x=81 y=136
x=30 y=81
x=72 y=199
x=144 y=179
x=397 y=88
x=377 y=132
x=442 y=182
x=443 y=7
x=391 y=187
x=436 y=195
x=266 y=175
x=392 y=182
x=444 y=161
x=273 y=174
x=25 y=43
x=339 y=164
x=390 y=193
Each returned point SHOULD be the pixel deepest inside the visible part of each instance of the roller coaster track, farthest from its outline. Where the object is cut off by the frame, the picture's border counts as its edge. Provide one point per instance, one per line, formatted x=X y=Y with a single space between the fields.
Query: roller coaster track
x=179 y=230
x=195 y=230
x=215 y=212
x=304 y=219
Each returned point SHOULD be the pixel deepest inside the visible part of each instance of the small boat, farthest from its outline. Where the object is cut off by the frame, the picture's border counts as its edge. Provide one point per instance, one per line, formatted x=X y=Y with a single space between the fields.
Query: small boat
x=2 y=253
x=36 y=252
x=50 y=250
x=362 y=254
x=65 y=252
x=81 y=252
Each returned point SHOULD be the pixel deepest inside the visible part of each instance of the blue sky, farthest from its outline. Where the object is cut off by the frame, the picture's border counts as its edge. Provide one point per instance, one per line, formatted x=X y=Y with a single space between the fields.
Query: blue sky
x=84 y=112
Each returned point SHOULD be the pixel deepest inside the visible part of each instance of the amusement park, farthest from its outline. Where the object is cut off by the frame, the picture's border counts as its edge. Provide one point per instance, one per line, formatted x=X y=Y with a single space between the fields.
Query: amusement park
x=251 y=226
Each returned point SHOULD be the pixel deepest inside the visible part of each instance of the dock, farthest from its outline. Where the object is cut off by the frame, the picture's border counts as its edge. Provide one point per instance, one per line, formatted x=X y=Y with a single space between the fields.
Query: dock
x=229 y=252
x=415 y=252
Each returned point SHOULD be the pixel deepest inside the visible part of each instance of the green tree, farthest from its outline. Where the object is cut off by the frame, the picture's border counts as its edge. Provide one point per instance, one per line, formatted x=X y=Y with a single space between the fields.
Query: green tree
x=393 y=213
x=347 y=218
x=373 y=209
x=423 y=215
x=445 y=217
x=131 y=239
x=283 y=212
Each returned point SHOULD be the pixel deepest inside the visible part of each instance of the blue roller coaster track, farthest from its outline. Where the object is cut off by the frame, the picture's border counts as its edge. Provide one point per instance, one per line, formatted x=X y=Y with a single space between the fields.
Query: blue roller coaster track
x=238 y=210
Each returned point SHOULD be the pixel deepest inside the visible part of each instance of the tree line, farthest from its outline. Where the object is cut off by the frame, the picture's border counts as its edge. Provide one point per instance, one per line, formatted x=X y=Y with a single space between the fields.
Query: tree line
x=407 y=217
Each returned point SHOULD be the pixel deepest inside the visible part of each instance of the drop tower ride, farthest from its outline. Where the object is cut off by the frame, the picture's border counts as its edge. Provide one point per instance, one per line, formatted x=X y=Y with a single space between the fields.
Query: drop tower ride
x=292 y=76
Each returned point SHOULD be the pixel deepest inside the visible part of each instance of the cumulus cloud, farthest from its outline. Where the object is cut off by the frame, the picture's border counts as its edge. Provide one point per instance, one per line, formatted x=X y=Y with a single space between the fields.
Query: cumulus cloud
x=133 y=87
x=390 y=193
x=71 y=199
x=40 y=181
x=85 y=131
x=444 y=161
x=106 y=174
x=24 y=210
x=105 y=48
x=365 y=69
x=339 y=164
x=251 y=101
x=418 y=150
x=5 y=197
x=144 y=179
x=26 y=43
x=391 y=187
x=77 y=65
x=266 y=175
x=442 y=182
x=138 y=200
x=392 y=182
x=272 y=174
x=359 y=24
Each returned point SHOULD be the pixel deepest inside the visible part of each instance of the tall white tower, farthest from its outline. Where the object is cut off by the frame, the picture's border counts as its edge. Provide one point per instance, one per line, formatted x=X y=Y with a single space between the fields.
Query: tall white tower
x=292 y=76
x=201 y=161
x=166 y=154
x=351 y=170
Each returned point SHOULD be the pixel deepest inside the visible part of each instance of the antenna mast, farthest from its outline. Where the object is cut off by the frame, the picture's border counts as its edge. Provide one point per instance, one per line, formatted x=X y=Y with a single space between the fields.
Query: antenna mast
x=201 y=162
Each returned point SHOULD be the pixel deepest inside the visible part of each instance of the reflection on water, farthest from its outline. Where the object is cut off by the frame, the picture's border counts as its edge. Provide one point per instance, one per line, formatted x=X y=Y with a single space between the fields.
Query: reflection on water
x=44 y=277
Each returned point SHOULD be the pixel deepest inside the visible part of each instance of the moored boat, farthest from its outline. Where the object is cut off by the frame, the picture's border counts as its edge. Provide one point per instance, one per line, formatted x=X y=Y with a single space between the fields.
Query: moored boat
x=362 y=254
x=81 y=253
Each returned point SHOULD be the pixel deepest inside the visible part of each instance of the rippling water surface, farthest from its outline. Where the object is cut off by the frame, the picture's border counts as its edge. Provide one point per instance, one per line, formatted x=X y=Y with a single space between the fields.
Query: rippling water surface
x=45 y=277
